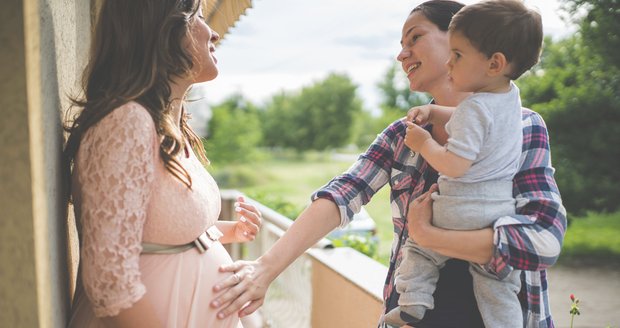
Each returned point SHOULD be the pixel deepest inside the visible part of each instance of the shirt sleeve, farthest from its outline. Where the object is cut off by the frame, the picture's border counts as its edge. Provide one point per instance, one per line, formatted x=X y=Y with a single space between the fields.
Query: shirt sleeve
x=115 y=169
x=467 y=129
x=532 y=239
x=365 y=177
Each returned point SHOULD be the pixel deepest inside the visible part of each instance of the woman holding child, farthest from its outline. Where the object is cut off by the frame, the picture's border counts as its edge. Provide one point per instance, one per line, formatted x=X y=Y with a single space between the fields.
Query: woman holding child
x=528 y=240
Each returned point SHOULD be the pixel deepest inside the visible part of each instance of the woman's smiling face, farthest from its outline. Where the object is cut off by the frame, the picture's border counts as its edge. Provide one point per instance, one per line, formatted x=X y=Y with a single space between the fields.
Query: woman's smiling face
x=202 y=48
x=425 y=50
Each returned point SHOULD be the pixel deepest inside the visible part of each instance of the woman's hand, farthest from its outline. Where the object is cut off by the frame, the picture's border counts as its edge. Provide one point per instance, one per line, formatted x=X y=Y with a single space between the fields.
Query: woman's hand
x=245 y=290
x=249 y=220
x=420 y=215
x=468 y=245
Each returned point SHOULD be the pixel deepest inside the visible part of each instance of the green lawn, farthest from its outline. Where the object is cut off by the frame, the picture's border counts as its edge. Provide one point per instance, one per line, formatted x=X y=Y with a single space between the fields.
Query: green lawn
x=594 y=238
x=295 y=180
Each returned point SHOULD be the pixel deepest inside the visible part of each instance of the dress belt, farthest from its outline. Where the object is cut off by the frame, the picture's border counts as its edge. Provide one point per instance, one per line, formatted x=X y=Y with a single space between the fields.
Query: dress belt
x=202 y=243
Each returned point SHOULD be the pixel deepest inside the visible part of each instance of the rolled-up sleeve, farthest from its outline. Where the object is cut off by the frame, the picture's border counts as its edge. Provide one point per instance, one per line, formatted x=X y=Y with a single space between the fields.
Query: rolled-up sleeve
x=532 y=239
x=364 y=178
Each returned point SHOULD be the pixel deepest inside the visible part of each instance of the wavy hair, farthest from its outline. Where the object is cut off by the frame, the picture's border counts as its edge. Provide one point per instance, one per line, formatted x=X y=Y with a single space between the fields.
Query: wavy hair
x=137 y=49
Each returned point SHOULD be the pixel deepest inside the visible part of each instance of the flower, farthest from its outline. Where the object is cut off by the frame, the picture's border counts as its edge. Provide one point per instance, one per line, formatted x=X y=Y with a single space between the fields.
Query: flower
x=574 y=309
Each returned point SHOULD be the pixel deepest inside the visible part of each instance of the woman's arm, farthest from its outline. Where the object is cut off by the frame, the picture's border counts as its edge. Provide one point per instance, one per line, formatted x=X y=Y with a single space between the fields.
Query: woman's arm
x=532 y=239
x=321 y=217
x=473 y=245
x=333 y=205
x=115 y=173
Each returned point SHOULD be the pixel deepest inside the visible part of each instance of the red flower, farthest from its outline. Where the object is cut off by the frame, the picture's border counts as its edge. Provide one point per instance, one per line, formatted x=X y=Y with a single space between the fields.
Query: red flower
x=572 y=297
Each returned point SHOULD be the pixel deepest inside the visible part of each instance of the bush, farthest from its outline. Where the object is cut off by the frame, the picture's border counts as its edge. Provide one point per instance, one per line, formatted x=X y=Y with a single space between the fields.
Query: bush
x=363 y=244
x=234 y=177
x=277 y=204
x=234 y=132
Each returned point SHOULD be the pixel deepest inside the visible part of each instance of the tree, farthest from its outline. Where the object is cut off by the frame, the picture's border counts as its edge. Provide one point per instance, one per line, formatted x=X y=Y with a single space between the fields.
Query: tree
x=234 y=131
x=397 y=98
x=396 y=93
x=278 y=121
x=600 y=26
x=319 y=117
x=575 y=88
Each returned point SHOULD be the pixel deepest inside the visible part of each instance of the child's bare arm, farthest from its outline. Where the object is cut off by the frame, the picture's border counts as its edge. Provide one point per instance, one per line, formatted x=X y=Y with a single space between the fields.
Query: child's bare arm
x=436 y=115
x=442 y=160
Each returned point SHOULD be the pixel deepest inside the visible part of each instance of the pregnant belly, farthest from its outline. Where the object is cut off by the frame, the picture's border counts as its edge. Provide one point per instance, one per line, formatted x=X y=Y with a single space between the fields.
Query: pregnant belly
x=180 y=286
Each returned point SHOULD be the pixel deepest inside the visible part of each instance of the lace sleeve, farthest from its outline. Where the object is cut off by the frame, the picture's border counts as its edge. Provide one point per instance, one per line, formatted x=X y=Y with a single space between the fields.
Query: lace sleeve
x=115 y=171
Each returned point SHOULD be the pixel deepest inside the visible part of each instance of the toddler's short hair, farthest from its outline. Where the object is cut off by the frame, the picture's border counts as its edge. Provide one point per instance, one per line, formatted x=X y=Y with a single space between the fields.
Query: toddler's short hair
x=505 y=26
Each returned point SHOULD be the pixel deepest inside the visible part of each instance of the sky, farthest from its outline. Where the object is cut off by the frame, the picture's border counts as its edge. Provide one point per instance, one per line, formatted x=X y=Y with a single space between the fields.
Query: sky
x=289 y=44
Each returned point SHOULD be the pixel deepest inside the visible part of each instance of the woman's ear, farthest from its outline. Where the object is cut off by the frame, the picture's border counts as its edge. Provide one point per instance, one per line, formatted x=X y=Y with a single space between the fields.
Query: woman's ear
x=498 y=64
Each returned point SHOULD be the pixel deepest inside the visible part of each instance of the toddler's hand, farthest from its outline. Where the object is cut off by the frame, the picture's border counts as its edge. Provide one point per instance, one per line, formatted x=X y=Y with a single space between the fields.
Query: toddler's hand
x=415 y=137
x=420 y=114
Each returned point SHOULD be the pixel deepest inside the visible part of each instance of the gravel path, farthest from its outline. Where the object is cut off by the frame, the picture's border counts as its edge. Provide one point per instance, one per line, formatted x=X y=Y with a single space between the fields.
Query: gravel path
x=598 y=289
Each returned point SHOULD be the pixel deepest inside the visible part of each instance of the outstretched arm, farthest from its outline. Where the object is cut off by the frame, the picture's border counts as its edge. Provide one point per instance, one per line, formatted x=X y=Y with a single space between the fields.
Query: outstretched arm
x=314 y=223
x=334 y=205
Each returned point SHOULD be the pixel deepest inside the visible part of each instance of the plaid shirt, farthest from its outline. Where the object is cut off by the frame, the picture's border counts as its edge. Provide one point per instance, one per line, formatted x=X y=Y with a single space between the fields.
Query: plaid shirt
x=529 y=241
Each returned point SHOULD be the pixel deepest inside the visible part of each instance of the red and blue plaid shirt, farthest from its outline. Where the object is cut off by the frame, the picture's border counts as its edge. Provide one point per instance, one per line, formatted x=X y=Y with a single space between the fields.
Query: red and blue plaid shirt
x=529 y=241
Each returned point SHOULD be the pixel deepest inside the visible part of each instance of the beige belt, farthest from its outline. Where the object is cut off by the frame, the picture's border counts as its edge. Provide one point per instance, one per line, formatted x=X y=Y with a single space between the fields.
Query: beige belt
x=202 y=243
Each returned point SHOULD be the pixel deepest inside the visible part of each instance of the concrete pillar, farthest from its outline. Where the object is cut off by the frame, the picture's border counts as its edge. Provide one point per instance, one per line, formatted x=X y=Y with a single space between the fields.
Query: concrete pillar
x=43 y=49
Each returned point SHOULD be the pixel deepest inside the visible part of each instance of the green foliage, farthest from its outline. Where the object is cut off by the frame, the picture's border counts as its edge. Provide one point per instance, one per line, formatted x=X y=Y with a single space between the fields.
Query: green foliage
x=600 y=25
x=363 y=244
x=575 y=89
x=593 y=238
x=398 y=97
x=279 y=121
x=320 y=117
x=234 y=131
x=277 y=203
x=364 y=129
x=235 y=177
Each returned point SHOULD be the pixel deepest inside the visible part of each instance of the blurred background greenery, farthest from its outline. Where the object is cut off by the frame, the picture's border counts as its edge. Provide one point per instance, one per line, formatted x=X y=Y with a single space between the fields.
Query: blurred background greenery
x=280 y=152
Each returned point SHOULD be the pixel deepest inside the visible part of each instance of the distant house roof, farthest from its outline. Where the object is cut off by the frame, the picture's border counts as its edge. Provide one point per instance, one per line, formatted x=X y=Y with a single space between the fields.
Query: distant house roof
x=223 y=14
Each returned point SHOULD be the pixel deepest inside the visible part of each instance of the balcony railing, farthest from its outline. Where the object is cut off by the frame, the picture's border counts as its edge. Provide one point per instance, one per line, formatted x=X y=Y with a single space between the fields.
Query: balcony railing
x=325 y=287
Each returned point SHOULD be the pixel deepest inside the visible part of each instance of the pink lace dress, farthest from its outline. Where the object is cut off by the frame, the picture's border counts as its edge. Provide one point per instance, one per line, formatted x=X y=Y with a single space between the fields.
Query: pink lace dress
x=124 y=196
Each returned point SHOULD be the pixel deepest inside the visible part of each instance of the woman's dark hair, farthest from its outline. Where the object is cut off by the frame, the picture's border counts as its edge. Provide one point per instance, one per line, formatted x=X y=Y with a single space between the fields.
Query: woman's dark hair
x=439 y=12
x=138 y=47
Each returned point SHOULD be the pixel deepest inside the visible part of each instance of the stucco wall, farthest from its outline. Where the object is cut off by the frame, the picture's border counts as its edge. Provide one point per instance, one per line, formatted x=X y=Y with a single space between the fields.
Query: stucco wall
x=44 y=45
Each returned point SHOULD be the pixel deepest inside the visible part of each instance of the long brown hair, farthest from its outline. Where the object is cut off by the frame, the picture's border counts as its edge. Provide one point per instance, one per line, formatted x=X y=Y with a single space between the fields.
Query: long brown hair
x=137 y=49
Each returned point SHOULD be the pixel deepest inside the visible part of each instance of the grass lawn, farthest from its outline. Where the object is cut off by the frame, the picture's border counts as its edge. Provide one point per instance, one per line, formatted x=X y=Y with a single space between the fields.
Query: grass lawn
x=294 y=180
x=594 y=238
